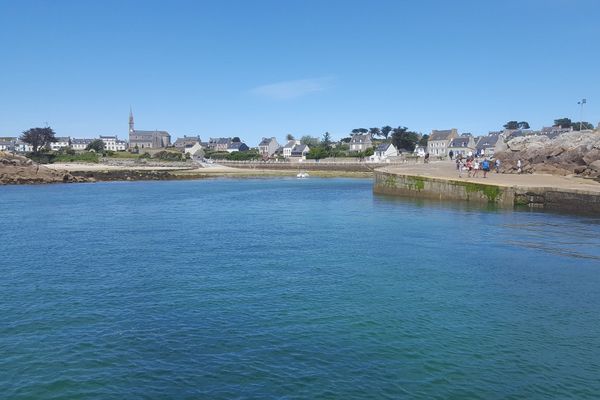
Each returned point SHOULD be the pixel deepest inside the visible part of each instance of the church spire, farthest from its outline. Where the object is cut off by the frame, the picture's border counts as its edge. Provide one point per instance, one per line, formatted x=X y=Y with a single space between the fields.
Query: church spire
x=131 y=129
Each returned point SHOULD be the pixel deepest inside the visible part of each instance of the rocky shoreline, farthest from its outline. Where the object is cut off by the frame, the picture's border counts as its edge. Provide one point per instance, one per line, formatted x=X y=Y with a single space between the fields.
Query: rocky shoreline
x=19 y=170
x=571 y=153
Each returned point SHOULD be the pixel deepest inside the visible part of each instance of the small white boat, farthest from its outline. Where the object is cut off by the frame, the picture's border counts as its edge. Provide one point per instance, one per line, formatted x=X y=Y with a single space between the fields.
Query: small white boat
x=302 y=175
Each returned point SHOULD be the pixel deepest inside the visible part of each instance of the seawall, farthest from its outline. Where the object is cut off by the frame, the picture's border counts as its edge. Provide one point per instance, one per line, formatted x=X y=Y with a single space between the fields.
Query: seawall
x=505 y=196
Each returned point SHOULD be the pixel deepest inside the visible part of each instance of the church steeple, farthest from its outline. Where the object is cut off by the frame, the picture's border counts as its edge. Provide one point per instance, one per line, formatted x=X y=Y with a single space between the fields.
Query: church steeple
x=131 y=129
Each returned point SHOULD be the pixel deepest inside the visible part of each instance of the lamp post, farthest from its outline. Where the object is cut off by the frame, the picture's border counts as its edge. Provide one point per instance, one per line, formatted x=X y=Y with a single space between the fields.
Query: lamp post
x=582 y=102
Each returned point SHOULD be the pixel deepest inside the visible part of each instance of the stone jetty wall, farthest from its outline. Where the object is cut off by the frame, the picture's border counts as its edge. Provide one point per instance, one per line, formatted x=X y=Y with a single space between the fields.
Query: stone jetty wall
x=416 y=186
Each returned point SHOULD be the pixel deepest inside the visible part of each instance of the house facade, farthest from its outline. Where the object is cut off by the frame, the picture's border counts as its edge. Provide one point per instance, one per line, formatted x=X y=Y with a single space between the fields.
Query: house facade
x=384 y=151
x=186 y=141
x=237 y=146
x=267 y=147
x=61 y=143
x=360 y=142
x=439 y=141
x=80 y=144
x=195 y=151
x=113 y=143
x=486 y=145
x=23 y=147
x=219 y=144
x=7 y=145
x=300 y=151
x=289 y=146
x=463 y=146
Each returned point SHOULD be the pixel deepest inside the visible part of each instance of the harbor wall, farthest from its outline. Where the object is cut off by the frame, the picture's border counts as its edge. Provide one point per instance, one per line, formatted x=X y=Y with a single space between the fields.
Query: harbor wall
x=425 y=187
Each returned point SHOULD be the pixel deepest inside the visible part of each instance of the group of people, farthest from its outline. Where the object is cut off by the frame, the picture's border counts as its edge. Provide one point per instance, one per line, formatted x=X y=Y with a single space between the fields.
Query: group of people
x=472 y=166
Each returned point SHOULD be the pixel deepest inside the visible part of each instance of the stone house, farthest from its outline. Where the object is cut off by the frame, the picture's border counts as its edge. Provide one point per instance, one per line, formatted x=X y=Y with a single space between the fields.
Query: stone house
x=219 y=144
x=267 y=147
x=463 y=145
x=439 y=141
x=300 y=151
x=186 y=141
x=360 y=142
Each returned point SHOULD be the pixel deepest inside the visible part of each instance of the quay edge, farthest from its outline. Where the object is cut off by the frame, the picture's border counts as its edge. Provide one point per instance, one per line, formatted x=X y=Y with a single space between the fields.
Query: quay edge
x=436 y=188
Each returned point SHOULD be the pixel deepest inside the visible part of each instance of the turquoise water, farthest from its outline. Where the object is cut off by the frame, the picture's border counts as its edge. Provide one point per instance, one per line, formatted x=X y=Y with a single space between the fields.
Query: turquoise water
x=286 y=288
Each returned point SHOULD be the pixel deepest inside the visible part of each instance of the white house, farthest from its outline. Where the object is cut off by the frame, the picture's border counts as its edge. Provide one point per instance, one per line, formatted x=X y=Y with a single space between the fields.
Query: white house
x=80 y=144
x=385 y=150
x=23 y=147
x=113 y=143
x=7 y=145
x=289 y=146
x=420 y=151
x=61 y=143
x=195 y=150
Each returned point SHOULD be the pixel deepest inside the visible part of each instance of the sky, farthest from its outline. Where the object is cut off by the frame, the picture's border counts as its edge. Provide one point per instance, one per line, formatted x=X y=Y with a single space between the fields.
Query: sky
x=258 y=69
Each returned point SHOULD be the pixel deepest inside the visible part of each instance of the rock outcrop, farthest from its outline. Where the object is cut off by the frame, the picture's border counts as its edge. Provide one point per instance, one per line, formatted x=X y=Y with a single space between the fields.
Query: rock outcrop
x=568 y=154
x=15 y=169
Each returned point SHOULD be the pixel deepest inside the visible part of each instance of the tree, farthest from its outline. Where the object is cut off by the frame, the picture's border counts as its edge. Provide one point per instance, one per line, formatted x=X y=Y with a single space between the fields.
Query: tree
x=97 y=145
x=511 y=125
x=385 y=131
x=38 y=138
x=578 y=125
x=236 y=139
x=316 y=153
x=563 y=122
x=310 y=141
x=360 y=130
x=402 y=138
x=423 y=141
x=523 y=125
x=326 y=141
x=289 y=137
x=374 y=132
x=346 y=139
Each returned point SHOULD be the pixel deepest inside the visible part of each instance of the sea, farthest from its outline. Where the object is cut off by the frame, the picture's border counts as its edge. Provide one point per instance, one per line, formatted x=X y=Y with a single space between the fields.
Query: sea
x=287 y=288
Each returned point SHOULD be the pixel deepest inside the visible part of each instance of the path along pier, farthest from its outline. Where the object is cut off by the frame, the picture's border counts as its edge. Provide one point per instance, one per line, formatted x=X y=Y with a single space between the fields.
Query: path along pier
x=441 y=181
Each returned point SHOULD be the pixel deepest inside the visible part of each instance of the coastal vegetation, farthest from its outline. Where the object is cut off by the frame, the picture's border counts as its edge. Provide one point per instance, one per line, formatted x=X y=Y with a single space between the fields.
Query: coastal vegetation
x=38 y=138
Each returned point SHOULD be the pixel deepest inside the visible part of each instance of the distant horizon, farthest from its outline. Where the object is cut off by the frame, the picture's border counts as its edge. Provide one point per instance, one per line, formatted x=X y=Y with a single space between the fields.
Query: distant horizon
x=268 y=68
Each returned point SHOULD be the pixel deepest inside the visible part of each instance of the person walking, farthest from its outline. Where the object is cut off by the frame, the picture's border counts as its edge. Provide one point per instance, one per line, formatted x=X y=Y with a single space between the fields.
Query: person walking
x=485 y=166
x=476 y=167
x=497 y=165
x=519 y=166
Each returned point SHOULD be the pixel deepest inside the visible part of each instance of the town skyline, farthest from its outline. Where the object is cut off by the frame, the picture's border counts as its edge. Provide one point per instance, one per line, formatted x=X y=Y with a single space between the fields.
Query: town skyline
x=218 y=70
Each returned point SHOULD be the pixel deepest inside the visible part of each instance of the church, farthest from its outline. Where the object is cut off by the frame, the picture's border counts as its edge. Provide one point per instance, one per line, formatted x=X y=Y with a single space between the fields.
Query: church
x=147 y=139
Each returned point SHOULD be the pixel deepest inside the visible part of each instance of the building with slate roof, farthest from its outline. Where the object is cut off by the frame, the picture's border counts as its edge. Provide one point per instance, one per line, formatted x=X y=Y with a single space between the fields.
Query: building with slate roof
x=80 y=144
x=462 y=145
x=186 y=141
x=438 y=142
x=267 y=147
x=237 y=146
x=147 y=139
x=360 y=142
x=486 y=145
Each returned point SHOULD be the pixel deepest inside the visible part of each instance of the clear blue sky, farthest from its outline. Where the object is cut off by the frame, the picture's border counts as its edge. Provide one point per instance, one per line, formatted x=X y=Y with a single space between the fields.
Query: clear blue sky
x=268 y=68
